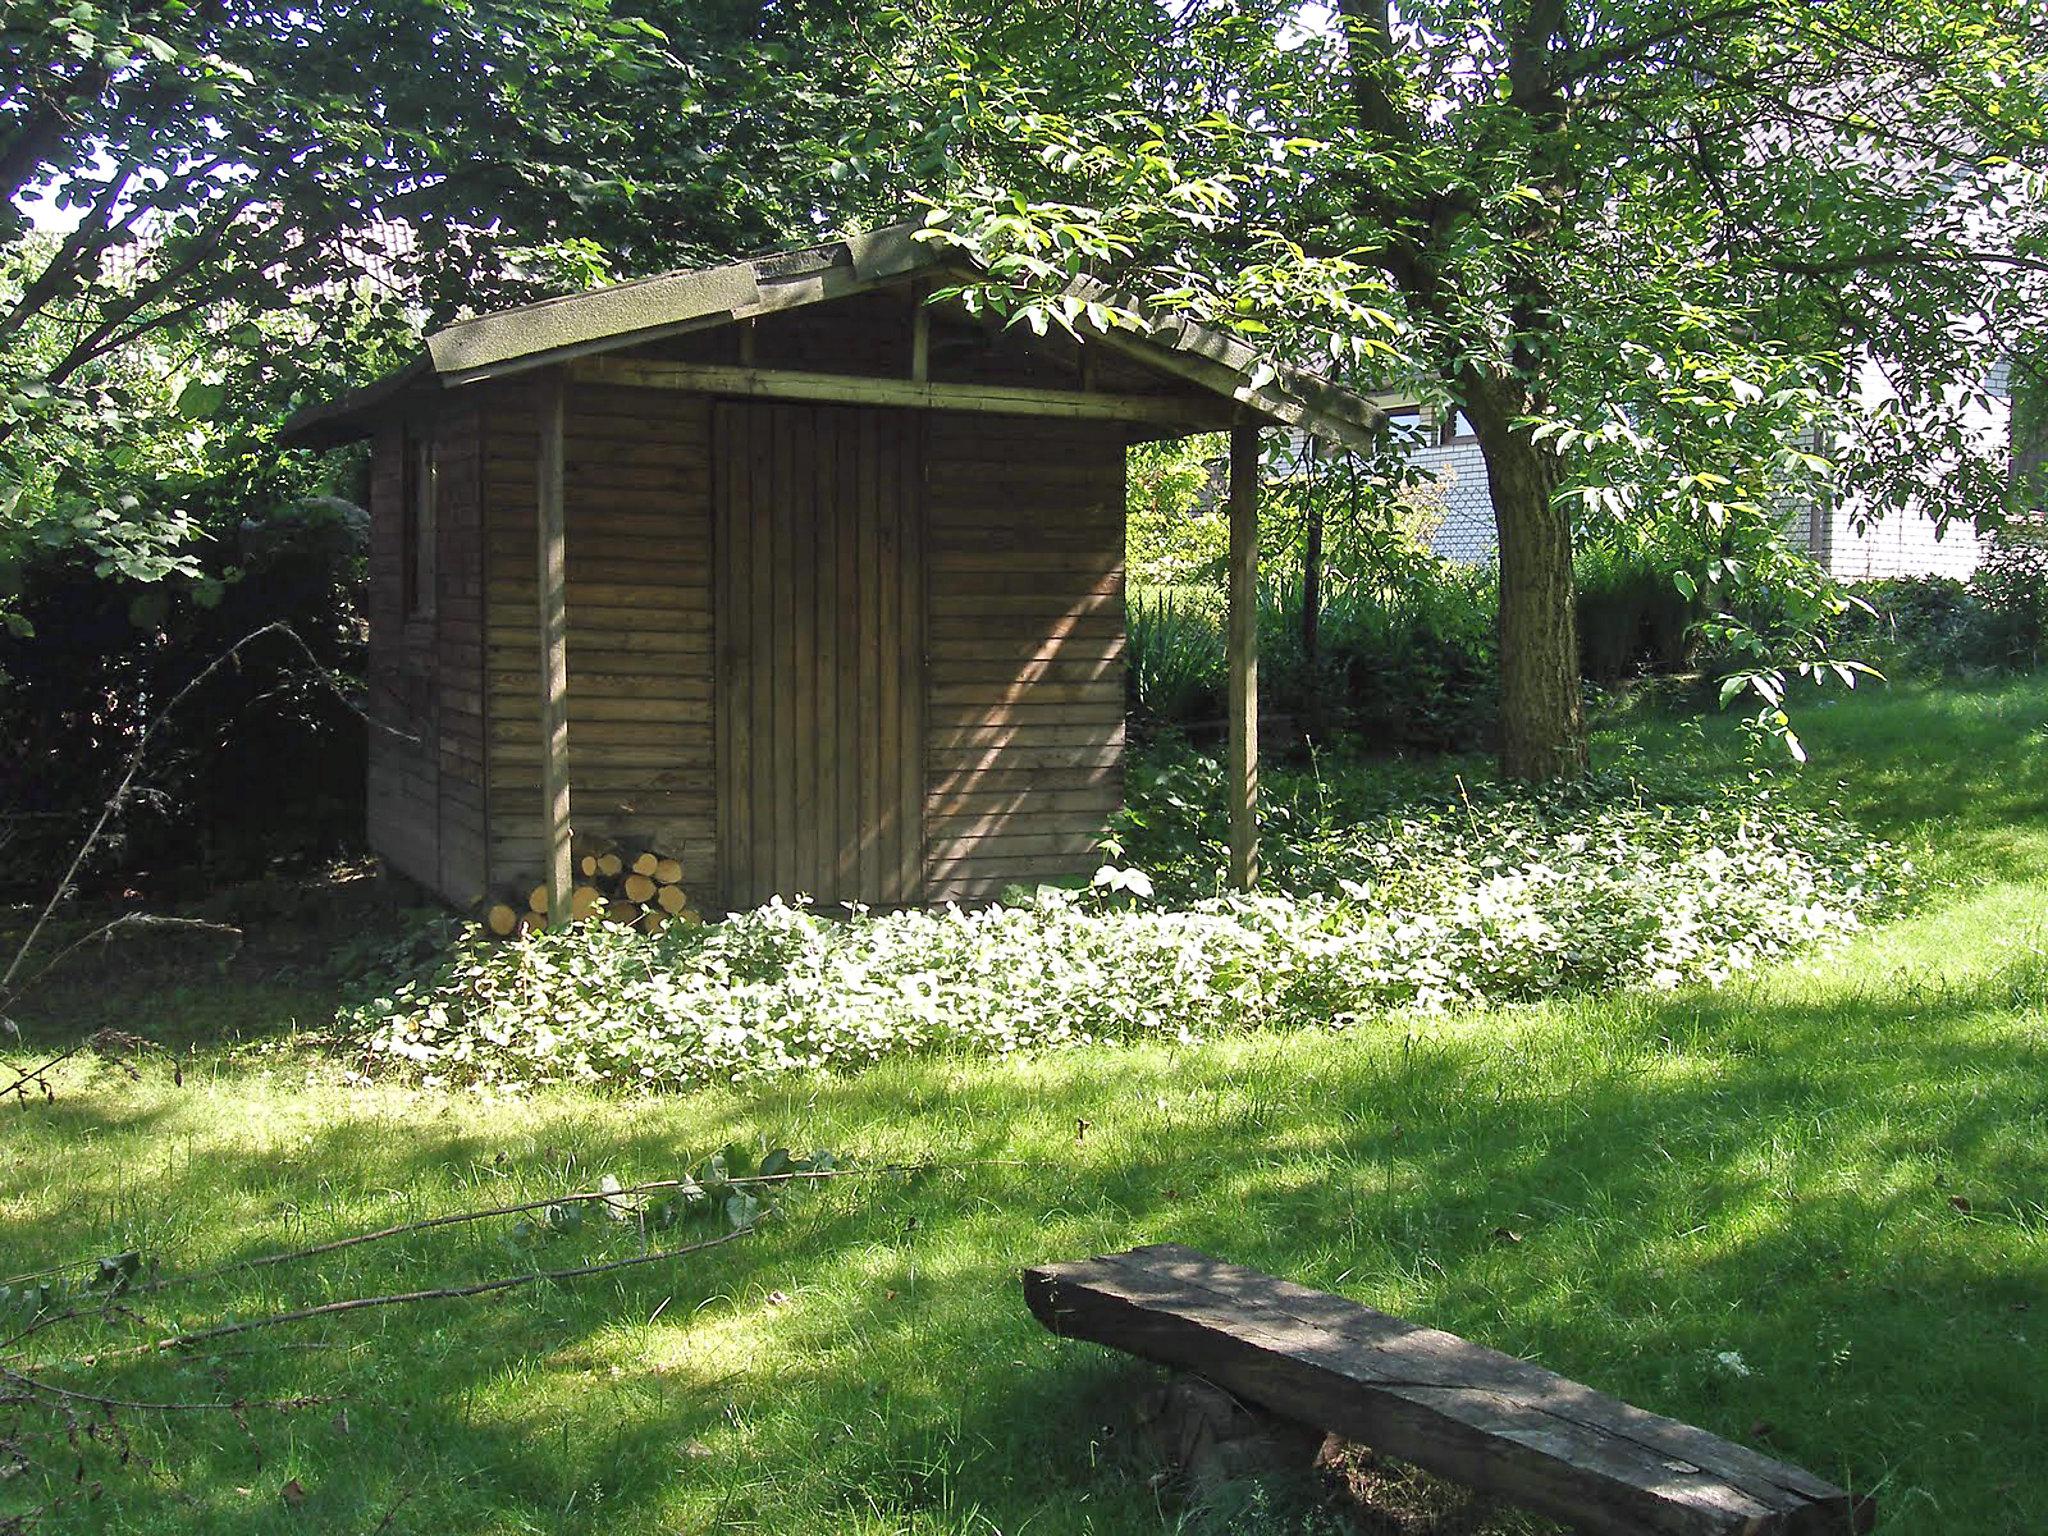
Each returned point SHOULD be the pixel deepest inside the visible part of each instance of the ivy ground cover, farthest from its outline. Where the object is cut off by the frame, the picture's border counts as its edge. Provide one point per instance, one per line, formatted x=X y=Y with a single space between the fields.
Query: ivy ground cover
x=1387 y=891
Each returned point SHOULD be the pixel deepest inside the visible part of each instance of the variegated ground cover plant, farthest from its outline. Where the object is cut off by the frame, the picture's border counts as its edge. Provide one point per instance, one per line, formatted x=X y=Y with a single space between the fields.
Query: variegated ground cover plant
x=1471 y=898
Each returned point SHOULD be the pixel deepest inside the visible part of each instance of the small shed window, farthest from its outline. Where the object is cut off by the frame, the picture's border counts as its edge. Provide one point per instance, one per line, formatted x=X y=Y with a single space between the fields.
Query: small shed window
x=418 y=533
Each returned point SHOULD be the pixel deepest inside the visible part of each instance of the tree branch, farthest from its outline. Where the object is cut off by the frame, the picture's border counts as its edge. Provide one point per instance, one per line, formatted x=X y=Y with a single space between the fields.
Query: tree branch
x=438 y=1293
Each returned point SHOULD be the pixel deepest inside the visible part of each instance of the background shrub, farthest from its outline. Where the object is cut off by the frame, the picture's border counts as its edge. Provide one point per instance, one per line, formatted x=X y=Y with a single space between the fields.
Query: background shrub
x=1407 y=667
x=1995 y=622
x=1175 y=669
x=263 y=766
x=2011 y=584
x=1407 y=656
x=1632 y=617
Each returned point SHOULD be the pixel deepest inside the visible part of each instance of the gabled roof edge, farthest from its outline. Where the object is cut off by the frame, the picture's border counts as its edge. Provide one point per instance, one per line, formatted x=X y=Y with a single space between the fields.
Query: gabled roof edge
x=627 y=314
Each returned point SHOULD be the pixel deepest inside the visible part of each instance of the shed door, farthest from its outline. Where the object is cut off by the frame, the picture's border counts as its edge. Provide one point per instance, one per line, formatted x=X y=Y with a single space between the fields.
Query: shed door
x=820 y=624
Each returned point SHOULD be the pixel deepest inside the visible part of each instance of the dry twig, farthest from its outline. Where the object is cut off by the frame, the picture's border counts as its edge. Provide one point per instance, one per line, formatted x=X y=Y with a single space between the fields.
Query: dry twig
x=437 y=1293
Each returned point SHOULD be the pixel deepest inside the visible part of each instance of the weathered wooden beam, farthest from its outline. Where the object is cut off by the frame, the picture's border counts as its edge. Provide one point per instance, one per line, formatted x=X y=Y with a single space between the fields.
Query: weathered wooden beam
x=552 y=573
x=1220 y=380
x=1242 y=656
x=1488 y=1420
x=1187 y=414
x=920 y=336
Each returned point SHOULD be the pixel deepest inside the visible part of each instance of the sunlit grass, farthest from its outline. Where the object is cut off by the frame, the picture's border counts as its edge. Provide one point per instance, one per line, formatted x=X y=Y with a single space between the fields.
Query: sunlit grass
x=1835 y=1171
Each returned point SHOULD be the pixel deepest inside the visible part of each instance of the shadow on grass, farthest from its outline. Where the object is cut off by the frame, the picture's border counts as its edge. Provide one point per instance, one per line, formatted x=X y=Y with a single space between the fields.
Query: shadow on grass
x=1804 y=1212
x=1631 y=1196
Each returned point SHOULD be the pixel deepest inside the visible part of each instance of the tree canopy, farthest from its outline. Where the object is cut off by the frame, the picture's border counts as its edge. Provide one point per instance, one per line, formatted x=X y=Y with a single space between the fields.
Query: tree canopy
x=247 y=202
x=1675 y=263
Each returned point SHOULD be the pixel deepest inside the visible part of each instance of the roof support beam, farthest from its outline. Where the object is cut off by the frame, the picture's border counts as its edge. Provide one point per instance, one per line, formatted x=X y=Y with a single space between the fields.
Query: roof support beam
x=1266 y=402
x=552 y=567
x=1191 y=415
x=1242 y=652
x=920 y=335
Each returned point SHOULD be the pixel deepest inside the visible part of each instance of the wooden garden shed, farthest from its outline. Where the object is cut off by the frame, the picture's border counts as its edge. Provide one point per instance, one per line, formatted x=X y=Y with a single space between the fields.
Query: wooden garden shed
x=795 y=568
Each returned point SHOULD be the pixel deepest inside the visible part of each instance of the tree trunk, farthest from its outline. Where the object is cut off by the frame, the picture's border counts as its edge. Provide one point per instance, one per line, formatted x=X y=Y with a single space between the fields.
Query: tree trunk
x=1542 y=724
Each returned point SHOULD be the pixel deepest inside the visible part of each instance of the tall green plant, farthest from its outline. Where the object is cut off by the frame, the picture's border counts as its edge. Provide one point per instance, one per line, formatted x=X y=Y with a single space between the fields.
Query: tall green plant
x=1175 y=672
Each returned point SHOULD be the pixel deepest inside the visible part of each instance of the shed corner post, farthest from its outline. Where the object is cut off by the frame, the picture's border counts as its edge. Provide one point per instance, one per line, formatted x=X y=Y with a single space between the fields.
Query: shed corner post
x=1243 y=655
x=551 y=549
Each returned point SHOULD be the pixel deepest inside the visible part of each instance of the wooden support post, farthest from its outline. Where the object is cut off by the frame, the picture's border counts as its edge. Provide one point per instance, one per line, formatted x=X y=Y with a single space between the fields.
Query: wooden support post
x=920 y=335
x=551 y=409
x=1243 y=655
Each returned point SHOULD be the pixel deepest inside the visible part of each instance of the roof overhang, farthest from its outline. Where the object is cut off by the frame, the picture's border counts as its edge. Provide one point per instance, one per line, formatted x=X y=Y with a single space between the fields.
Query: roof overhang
x=630 y=314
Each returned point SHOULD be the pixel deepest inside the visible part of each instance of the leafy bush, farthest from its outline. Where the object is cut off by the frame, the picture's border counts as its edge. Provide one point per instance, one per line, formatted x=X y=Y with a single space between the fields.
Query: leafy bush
x=1410 y=662
x=1996 y=622
x=1632 y=616
x=1175 y=671
x=1497 y=899
x=2012 y=585
x=1176 y=531
x=263 y=764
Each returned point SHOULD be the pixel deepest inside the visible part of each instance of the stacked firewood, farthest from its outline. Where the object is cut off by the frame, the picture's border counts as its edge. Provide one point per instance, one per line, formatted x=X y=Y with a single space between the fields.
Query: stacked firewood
x=638 y=889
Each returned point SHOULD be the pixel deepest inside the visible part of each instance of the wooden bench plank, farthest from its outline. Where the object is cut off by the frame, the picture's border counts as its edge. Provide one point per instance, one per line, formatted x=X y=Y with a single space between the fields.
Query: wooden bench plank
x=1452 y=1407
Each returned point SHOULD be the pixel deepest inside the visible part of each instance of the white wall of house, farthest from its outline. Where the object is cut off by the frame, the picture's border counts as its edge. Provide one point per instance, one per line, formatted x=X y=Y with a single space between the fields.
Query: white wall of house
x=1903 y=543
x=1457 y=513
x=1455 y=498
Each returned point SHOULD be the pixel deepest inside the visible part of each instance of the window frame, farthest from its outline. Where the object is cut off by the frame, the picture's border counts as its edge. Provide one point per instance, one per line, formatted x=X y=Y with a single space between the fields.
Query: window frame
x=419 y=522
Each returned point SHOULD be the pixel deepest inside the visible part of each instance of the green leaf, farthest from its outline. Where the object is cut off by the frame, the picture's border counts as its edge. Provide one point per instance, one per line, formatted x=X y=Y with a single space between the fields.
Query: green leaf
x=201 y=400
x=148 y=610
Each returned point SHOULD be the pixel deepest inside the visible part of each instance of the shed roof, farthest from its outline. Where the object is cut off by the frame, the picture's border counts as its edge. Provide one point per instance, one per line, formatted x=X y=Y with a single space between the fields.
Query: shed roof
x=629 y=314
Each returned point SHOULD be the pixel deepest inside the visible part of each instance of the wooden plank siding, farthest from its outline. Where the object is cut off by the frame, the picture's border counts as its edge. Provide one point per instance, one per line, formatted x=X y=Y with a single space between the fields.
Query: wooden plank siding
x=637 y=505
x=1025 y=701
x=404 y=774
x=426 y=794
x=940 y=597
x=459 y=655
x=819 y=518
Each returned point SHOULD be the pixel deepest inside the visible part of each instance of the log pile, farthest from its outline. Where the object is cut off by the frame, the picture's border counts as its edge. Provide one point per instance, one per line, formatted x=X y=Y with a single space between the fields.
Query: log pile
x=633 y=888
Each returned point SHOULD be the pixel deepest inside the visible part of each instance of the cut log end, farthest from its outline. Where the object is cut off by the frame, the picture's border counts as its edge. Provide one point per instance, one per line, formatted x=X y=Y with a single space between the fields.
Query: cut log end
x=501 y=920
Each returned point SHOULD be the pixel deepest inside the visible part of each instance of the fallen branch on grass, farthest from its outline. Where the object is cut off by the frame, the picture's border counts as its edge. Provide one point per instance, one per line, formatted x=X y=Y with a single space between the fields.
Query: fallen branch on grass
x=113 y=1044
x=36 y=1387
x=438 y=1293
x=107 y=931
x=524 y=1207
x=80 y=1417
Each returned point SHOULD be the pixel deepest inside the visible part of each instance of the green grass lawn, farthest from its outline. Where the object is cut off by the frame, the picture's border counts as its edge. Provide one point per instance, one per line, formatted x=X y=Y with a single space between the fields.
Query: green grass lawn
x=1836 y=1171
